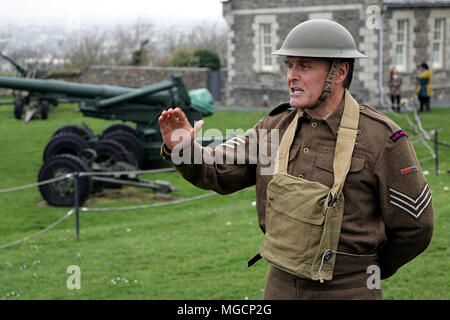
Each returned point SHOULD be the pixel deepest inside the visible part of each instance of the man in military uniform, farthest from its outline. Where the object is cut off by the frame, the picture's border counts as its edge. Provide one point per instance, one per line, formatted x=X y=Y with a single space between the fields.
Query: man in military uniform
x=346 y=195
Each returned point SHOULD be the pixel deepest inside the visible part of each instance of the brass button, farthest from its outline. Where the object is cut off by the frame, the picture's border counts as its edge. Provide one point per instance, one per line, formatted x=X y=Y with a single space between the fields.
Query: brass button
x=314 y=124
x=305 y=150
x=270 y=197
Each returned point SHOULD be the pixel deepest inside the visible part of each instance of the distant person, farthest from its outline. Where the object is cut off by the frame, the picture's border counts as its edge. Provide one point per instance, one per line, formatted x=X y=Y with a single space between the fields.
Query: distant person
x=394 y=84
x=423 y=86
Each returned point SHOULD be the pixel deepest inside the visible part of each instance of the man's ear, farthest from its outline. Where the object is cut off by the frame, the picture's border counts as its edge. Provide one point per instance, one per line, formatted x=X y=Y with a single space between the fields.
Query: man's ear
x=341 y=72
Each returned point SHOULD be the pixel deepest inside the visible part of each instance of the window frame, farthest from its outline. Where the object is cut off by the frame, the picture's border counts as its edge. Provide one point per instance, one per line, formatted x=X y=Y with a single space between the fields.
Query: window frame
x=404 y=42
x=441 y=42
x=262 y=51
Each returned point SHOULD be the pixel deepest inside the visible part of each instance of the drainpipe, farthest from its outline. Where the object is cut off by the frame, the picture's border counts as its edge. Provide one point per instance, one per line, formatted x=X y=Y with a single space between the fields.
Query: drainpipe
x=380 y=58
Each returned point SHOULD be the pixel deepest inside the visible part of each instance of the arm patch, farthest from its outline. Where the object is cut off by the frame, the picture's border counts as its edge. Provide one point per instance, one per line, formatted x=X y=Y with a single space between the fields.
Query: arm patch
x=397 y=135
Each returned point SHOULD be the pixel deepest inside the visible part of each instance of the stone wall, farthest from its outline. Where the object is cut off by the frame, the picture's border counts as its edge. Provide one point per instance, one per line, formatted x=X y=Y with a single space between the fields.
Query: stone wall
x=248 y=86
x=130 y=76
x=422 y=20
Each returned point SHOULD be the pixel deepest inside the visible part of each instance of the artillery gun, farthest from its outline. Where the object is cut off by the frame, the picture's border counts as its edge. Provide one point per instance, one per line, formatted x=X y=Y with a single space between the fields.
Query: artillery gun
x=29 y=104
x=120 y=147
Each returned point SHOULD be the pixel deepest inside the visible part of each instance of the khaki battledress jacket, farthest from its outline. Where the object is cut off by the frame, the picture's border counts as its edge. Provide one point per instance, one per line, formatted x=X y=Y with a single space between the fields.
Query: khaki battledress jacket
x=388 y=206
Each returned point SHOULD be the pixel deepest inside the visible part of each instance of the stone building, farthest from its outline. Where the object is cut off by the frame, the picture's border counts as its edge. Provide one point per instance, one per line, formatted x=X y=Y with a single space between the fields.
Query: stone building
x=392 y=33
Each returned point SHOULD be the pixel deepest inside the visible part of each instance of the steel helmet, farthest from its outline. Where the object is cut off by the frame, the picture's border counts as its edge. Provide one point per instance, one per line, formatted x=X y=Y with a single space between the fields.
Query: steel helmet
x=319 y=38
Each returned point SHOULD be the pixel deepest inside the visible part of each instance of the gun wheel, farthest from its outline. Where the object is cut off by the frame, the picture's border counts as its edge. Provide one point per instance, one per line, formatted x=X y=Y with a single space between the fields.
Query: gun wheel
x=68 y=143
x=62 y=193
x=43 y=108
x=18 y=109
x=109 y=152
x=73 y=128
x=130 y=142
x=119 y=126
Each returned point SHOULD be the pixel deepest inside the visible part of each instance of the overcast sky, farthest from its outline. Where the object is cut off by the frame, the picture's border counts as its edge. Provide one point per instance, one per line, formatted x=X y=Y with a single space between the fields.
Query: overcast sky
x=108 y=11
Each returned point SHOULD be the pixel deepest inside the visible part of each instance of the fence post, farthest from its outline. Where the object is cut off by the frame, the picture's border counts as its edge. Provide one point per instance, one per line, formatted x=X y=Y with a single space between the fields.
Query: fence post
x=436 y=151
x=77 y=205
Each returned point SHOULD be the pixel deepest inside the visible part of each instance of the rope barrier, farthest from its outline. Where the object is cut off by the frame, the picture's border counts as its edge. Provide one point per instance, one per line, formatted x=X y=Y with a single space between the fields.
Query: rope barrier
x=112 y=173
x=68 y=214
x=66 y=176
x=85 y=209
x=152 y=205
x=81 y=174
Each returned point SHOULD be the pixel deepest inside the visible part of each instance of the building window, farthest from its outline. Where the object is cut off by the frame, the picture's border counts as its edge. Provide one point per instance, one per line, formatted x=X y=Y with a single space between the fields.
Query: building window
x=266 y=47
x=265 y=40
x=438 y=43
x=401 y=45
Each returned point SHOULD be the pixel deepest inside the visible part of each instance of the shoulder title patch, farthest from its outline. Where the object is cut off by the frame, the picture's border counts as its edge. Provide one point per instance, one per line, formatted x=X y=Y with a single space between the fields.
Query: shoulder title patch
x=397 y=135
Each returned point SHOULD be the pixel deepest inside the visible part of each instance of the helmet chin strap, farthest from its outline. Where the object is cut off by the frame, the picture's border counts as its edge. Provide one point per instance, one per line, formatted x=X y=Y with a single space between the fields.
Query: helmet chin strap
x=327 y=86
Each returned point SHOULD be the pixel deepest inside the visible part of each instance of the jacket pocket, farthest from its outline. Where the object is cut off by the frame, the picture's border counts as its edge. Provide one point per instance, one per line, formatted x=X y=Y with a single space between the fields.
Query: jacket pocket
x=325 y=162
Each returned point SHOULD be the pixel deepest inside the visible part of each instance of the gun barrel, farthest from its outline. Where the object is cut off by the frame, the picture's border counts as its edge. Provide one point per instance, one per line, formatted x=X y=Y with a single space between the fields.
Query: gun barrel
x=135 y=94
x=155 y=96
x=15 y=64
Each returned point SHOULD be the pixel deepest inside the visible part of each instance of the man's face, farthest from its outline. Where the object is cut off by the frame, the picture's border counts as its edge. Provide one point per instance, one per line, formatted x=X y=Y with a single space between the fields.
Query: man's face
x=305 y=78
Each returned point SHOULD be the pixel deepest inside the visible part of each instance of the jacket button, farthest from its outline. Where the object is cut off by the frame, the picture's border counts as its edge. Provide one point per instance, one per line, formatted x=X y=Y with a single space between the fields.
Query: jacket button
x=301 y=175
x=305 y=150
x=270 y=197
x=328 y=255
x=314 y=124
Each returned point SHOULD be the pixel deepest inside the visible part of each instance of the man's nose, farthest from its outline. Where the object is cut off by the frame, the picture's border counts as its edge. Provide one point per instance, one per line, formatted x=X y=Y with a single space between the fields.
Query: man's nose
x=293 y=74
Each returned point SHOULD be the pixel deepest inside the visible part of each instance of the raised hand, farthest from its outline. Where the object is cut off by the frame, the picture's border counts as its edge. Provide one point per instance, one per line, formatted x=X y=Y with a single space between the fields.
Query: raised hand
x=175 y=127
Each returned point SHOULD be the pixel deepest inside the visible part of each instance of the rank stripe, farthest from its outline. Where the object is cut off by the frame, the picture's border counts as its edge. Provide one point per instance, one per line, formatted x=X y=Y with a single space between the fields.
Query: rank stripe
x=226 y=144
x=411 y=213
x=402 y=202
x=410 y=205
x=239 y=139
x=405 y=196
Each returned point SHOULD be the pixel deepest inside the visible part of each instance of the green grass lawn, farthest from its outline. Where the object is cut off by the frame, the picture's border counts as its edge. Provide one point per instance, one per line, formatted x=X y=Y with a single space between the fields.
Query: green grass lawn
x=192 y=250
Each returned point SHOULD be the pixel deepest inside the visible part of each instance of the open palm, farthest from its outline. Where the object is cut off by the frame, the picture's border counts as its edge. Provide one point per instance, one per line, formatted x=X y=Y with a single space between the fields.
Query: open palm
x=175 y=127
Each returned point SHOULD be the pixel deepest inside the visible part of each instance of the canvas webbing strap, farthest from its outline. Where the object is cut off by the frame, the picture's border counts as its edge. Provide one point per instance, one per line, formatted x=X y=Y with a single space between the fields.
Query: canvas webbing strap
x=281 y=163
x=344 y=145
x=327 y=86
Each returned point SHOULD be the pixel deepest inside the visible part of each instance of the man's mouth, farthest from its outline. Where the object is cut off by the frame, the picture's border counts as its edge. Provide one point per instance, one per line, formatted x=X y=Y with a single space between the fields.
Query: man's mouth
x=296 y=89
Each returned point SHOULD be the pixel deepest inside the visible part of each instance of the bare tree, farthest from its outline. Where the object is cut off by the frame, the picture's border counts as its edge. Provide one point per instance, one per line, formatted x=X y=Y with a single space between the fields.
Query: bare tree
x=205 y=35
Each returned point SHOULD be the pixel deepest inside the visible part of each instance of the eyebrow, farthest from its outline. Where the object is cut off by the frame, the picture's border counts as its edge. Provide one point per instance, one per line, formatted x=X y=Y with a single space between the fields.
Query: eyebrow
x=286 y=61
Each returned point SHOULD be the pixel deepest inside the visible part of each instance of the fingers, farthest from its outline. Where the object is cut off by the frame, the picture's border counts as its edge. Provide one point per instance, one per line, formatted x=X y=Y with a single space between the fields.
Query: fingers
x=197 y=127
x=172 y=116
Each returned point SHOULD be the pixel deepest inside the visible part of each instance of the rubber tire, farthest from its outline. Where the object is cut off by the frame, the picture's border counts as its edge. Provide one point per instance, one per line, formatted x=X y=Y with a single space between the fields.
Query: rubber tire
x=18 y=109
x=119 y=126
x=130 y=142
x=43 y=108
x=68 y=143
x=109 y=148
x=71 y=164
x=73 y=128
